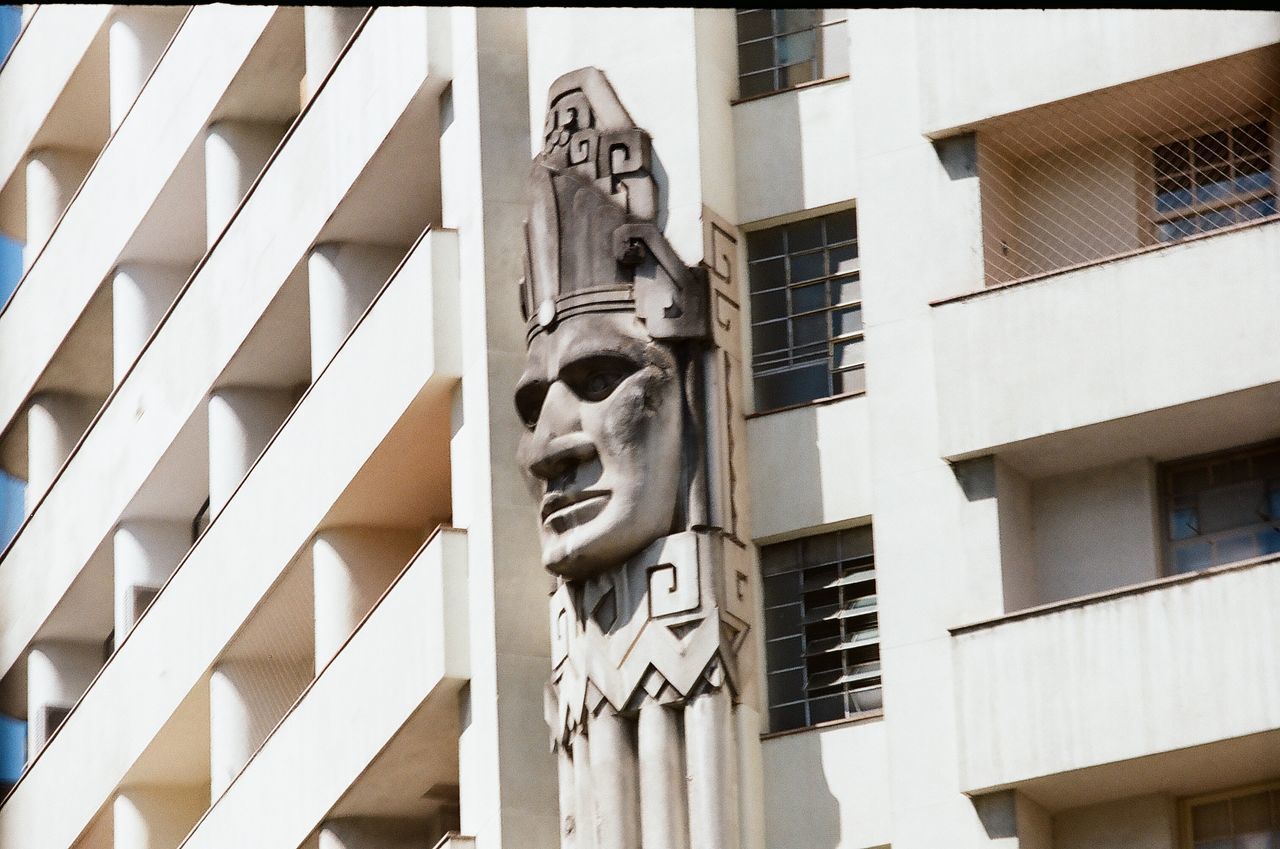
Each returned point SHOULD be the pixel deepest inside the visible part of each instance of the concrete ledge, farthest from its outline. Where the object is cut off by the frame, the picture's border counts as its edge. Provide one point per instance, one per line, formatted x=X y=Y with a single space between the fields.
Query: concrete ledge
x=411 y=651
x=384 y=71
x=311 y=461
x=1116 y=341
x=1076 y=698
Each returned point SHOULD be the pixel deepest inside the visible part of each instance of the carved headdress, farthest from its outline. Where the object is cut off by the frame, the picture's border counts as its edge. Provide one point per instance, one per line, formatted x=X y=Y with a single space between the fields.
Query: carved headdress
x=595 y=170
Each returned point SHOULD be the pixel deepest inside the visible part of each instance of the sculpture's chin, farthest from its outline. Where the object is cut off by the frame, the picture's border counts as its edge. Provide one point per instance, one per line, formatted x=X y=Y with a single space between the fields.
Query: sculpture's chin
x=583 y=552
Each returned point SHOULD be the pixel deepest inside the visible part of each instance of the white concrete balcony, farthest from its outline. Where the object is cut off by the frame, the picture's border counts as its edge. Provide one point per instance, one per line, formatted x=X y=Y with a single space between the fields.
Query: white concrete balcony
x=387 y=69
x=141 y=158
x=1164 y=687
x=974 y=67
x=411 y=656
x=390 y=383
x=1164 y=354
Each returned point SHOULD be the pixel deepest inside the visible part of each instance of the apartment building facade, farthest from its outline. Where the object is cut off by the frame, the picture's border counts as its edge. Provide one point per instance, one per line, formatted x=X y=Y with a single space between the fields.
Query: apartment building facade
x=1011 y=468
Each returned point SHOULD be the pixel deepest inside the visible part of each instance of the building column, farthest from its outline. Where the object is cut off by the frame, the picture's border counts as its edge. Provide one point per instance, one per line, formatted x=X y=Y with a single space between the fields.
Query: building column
x=327 y=29
x=135 y=40
x=241 y=422
x=146 y=553
x=1013 y=820
x=247 y=697
x=352 y=567
x=55 y=423
x=58 y=673
x=997 y=533
x=234 y=154
x=140 y=294
x=156 y=817
x=343 y=278
x=53 y=176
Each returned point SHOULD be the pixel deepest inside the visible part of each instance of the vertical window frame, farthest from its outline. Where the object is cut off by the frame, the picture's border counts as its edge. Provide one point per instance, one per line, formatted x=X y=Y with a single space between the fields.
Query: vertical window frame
x=777 y=69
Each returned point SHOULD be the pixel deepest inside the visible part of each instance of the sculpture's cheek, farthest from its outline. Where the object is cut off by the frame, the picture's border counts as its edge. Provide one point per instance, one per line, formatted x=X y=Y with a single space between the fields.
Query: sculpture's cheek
x=640 y=412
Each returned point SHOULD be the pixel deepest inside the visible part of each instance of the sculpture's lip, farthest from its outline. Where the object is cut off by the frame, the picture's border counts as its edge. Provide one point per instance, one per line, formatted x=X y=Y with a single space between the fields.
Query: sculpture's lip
x=555 y=502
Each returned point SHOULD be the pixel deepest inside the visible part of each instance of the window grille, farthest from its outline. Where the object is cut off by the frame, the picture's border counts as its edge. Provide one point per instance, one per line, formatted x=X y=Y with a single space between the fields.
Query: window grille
x=1129 y=168
x=822 y=641
x=1222 y=508
x=1242 y=820
x=806 y=311
x=782 y=48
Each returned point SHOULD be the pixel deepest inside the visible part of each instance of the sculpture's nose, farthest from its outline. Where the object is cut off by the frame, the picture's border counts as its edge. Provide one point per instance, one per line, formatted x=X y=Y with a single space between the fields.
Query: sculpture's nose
x=559 y=445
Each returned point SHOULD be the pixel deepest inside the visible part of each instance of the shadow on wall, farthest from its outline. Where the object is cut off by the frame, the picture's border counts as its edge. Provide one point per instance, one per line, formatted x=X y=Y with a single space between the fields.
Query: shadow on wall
x=801 y=812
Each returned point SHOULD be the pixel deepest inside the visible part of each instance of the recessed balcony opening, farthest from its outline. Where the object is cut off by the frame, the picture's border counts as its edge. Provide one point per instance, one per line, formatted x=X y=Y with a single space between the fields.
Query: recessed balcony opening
x=1133 y=167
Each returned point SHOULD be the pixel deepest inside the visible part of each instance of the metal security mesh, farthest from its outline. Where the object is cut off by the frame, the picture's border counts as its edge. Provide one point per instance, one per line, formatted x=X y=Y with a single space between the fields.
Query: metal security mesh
x=821 y=628
x=1136 y=166
x=782 y=48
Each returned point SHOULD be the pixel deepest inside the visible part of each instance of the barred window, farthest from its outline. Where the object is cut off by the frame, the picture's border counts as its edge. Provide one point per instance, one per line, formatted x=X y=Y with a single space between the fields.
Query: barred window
x=1213 y=180
x=822 y=641
x=806 y=311
x=782 y=48
x=1248 y=820
x=1222 y=508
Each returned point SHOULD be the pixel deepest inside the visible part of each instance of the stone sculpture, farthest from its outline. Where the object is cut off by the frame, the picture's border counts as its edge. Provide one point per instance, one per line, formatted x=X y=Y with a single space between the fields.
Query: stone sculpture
x=628 y=403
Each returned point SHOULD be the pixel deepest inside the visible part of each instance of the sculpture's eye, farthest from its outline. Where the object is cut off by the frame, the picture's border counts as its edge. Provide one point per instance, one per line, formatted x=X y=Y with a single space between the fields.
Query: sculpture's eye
x=595 y=378
x=529 y=398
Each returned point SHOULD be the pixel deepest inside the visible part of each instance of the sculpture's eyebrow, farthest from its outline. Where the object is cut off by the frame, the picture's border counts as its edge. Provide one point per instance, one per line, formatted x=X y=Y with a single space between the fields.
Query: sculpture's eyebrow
x=586 y=348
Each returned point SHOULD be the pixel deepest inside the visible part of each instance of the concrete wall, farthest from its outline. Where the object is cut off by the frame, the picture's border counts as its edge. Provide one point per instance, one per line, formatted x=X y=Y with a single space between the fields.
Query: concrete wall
x=1143 y=822
x=1096 y=530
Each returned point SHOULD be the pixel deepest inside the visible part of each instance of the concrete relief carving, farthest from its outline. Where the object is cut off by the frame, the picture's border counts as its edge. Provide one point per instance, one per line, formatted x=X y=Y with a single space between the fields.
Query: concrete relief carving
x=629 y=413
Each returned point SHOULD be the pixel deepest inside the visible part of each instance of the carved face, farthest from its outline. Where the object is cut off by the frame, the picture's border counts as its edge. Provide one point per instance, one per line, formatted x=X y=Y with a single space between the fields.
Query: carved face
x=601 y=403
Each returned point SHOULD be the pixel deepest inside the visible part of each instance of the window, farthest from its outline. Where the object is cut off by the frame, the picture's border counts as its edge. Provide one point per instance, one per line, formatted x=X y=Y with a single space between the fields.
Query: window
x=1213 y=180
x=1241 y=820
x=1222 y=508
x=781 y=48
x=806 y=311
x=822 y=643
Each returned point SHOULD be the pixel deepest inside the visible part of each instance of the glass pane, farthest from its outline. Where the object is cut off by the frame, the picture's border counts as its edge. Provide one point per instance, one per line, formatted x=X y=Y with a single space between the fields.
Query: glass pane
x=782 y=620
x=1238 y=547
x=841 y=227
x=1253 y=176
x=795 y=386
x=755 y=56
x=856 y=542
x=1210 y=149
x=1184 y=523
x=784 y=654
x=749 y=85
x=1192 y=557
x=1251 y=813
x=1268 y=541
x=846 y=290
x=1209 y=821
x=786 y=686
x=827 y=708
x=808 y=266
x=793 y=19
x=843 y=260
x=1260 y=208
x=769 y=305
x=1171 y=231
x=804 y=235
x=849 y=354
x=1173 y=192
x=1172 y=157
x=1251 y=140
x=1214 y=184
x=864 y=700
x=1187 y=481
x=765 y=243
x=846 y=321
x=782 y=588
x=793 y=75
x=769 y=274
x=809 y=329
x=786 y=718
x=809 y=298
x=1216 y=220
x=1225 y=507
x=771 y=336
x=778 y=557
x=850 y=381
x=758 y=23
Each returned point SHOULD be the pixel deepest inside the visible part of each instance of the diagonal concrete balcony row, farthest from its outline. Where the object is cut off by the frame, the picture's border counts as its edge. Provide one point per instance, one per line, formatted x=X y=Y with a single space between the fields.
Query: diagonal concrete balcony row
x=348 y=437
x=201 y=344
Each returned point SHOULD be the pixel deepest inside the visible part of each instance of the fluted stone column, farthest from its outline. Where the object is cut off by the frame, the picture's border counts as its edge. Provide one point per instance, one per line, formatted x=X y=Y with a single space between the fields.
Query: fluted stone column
x=53 y=176
x=156 y=817
x=343 y=278
x=351 y=569
x=234 y=154
x=241 y=422
x=136 y=38
x=55 y=423
x=146 y=553
x=327 y=29
x=247 y=697
x=140 y=294
x=58 y=673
